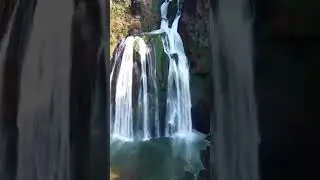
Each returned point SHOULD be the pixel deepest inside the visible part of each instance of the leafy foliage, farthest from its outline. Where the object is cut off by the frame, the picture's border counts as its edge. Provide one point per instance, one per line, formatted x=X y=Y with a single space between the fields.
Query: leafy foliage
x=120 y=22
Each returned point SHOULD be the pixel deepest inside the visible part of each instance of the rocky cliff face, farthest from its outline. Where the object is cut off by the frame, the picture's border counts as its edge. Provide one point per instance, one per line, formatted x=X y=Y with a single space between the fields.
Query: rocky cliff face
x=194 y=30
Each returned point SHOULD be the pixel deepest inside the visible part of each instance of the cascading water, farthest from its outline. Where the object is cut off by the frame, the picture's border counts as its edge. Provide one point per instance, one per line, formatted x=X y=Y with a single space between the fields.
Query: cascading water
x=178 y=119
x=123 y=125
x=178 y=109
x=236 y=129
x=137 y=92
x=153 y=88
x=42 y=117
x=144 y=89
x=123 y=105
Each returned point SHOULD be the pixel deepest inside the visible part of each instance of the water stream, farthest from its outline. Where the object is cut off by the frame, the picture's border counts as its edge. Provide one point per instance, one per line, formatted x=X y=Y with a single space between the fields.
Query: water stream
x=43 y=110
x=178 y=122
x=139 y=134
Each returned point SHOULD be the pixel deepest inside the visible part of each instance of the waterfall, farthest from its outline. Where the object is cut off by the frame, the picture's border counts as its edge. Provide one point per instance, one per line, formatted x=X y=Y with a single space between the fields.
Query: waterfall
x=116 y=63
x=123 y=124
x=144 y=88
x=127 y=121
x=139 y=134
x=123 y=117
x=153 y=88
x=43 y=114
x=236 y=130
x=178 y=119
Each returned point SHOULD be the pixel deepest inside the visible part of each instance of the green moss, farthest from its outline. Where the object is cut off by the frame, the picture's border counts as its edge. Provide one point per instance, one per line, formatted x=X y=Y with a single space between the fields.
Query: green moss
x=160 y=62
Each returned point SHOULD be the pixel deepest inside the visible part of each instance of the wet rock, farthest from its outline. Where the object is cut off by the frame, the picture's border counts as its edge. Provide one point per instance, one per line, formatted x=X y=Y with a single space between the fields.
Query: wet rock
x=136 y=8
x=194 y=31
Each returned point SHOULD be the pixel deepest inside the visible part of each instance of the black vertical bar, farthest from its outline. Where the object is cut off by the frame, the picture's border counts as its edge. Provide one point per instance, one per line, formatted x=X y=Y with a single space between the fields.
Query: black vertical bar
x=215 y=55
x=105 y=5
x=100 y=122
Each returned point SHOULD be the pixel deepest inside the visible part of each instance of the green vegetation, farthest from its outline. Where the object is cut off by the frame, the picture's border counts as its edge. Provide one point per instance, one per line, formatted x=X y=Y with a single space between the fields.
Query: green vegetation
x=120 y=21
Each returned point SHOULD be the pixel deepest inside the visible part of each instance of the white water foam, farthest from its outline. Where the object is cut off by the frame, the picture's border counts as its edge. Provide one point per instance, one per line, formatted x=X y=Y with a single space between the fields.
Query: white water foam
x=144 y=88
x=122 y=122
x=122 y=117
x=178 y=119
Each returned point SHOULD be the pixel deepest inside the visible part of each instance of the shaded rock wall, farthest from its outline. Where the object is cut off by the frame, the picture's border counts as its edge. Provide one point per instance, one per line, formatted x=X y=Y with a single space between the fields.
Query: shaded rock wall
x=194 y=30
x=287 y=39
